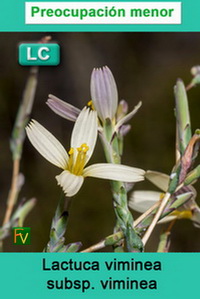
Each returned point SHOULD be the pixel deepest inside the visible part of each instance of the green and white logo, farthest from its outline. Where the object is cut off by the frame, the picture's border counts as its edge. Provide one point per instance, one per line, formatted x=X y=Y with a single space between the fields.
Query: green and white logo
x=39 y=54
x=22 y=235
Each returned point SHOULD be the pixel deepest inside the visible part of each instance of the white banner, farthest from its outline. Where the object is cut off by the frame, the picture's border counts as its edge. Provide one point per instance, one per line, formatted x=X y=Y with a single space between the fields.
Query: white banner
x=103 y=13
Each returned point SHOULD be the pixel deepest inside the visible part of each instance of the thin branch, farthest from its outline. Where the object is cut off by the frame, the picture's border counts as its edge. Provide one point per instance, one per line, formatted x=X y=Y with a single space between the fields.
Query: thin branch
x=95 y=247
x=13 y=191
x=145 y=214
x=18 y=136
x=156 y=218
x=189 y=86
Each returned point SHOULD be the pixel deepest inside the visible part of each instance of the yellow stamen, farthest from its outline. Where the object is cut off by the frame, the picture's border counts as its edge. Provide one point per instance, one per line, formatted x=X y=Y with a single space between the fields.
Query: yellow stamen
x=71 y=159
x=90 y=105
x=84 y=147
x=71 y=151
x=77 y=163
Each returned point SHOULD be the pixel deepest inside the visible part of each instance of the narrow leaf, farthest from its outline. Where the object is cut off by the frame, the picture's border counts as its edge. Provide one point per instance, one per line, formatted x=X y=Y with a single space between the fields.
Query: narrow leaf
x=182 y=116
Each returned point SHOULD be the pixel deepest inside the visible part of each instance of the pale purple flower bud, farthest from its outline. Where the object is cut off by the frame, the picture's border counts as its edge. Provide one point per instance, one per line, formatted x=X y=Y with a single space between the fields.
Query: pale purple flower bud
x=104 y=93
x=122 y=109
x=128 y=116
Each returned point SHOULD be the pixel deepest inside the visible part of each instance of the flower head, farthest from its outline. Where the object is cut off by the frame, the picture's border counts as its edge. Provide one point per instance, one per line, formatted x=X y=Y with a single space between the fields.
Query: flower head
x=73 y=163
x=104 y=93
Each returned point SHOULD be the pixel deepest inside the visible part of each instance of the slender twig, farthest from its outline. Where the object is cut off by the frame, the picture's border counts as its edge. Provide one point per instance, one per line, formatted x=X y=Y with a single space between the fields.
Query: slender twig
x=145 y=214
x=156 y=218
x=189 y=86
x=13 y=191
x=95 y=247
x=171 y=225
x=18 y=136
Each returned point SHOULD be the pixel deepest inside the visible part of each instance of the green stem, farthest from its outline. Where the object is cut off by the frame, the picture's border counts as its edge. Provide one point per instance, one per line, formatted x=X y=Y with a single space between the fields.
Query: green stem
x=124 y=217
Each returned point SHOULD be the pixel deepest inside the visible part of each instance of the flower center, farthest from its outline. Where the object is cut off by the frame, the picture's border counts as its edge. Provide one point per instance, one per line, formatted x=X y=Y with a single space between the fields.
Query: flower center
x=77 y=158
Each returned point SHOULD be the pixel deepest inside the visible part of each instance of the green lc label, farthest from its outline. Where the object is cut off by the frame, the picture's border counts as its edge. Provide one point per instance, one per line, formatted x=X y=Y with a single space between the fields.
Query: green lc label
x=39 y=54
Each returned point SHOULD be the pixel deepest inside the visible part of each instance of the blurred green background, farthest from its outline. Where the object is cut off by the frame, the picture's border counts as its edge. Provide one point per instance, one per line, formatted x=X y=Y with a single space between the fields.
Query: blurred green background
x=145 y=67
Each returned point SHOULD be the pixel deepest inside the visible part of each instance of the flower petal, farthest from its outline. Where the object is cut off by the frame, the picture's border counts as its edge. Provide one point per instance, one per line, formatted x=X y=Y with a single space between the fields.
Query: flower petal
x=114 y=172
x=140 y=201
x=127 y=117
x=47 y=145
x=85 y=131
x=62 y=108
x=159 y=179
x=69 y=182
x=104 y=93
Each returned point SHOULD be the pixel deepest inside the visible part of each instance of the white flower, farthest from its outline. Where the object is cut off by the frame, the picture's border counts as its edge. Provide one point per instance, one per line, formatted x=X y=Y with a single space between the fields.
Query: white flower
x=73 y=163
